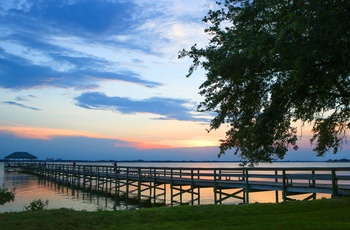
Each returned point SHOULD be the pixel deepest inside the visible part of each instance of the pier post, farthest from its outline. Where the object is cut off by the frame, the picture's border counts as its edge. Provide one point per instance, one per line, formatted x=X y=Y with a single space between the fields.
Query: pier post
x=155 y=185
x=84 y=177
x=334 y=184
x=55 y=168
x=246 y=190
x=284 y=182
x=139 y=186
x=90 y=178
x=117 y=182
x=192 y=188
x=180 y=187
x=198 y=189
x=127 y=185
x=276 y=181
x=215 y=188
x=313 y=183
x=171 y=187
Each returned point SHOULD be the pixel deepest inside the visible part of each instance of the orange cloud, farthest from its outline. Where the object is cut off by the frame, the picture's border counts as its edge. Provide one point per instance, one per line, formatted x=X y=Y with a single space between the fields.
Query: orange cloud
x=145 y=145
x=49 y=134
x=45 y=133
x=173 y=144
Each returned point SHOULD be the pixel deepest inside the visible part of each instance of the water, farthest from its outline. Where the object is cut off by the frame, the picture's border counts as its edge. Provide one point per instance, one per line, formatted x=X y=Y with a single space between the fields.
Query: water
x=29 y=187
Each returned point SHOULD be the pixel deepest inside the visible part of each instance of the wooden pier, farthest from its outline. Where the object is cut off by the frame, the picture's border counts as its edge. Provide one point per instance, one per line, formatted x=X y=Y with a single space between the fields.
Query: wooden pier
x=183 y=185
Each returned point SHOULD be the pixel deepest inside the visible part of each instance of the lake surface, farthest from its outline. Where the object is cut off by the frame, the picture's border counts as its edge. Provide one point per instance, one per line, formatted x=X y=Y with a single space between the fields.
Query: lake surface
x=29 y=187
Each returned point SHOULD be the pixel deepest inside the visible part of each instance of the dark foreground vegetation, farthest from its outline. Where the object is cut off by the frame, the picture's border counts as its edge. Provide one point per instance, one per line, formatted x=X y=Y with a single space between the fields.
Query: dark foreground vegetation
x=319 y=214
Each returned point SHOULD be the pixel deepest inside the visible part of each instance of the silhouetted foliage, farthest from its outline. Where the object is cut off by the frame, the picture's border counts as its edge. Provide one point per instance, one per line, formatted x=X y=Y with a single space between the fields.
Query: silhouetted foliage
x=6 y=195
x=37 y=205
x=270 y=63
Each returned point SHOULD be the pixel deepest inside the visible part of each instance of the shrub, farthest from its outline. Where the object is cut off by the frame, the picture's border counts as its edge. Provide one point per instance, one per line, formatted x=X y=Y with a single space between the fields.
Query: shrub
x=37 y=205
x=6 y=195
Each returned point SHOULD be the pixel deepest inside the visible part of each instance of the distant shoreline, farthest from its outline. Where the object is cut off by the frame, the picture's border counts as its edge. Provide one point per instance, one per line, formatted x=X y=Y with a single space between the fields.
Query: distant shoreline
x=178 y=161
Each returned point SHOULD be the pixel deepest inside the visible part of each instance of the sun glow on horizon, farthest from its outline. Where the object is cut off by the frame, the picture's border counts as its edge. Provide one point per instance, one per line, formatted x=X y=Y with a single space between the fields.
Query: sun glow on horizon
x=177 y=144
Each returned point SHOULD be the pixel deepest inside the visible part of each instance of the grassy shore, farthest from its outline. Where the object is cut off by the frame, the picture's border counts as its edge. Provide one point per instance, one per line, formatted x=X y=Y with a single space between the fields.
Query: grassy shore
x=318 y=214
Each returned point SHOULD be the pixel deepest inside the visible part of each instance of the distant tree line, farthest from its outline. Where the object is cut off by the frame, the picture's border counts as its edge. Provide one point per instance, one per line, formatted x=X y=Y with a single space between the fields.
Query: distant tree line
x=340 y=160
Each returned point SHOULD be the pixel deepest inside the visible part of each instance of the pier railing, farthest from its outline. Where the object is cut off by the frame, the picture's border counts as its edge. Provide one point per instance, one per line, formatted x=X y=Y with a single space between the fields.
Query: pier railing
x=226 y=182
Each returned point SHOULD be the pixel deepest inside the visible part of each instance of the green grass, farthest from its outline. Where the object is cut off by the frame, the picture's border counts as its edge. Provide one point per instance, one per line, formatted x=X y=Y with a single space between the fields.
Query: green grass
x=318 y=214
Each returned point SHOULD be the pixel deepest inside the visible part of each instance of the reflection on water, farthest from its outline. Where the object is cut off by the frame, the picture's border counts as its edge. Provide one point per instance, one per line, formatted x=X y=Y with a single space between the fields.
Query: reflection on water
x=29 y=187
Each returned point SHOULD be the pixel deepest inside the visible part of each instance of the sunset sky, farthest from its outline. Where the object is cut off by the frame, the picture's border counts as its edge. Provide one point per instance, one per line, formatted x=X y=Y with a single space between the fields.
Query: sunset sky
x=101 y=80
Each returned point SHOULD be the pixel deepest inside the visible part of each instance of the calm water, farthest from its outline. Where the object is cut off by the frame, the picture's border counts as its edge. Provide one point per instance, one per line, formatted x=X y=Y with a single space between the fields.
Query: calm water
x=29 y=187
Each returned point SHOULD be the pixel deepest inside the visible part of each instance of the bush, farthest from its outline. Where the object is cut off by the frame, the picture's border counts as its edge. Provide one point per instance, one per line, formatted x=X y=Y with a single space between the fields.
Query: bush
x=6 y=195
x=37 y=205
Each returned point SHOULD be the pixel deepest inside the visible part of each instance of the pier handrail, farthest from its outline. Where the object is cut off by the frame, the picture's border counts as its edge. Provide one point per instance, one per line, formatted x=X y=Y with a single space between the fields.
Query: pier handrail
x=199 y=172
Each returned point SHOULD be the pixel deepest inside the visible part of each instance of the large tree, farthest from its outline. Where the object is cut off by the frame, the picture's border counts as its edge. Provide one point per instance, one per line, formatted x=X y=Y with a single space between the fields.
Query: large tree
x=270 y=63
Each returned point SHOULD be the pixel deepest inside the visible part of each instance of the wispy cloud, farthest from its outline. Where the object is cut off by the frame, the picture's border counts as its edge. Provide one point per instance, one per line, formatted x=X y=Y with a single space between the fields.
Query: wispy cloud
x=166 y=108
x=24 y=98
x=77 y=44
x=33 y=133
x=34 y=56
x=18 y=71
x=20 y=105
x=29 y=132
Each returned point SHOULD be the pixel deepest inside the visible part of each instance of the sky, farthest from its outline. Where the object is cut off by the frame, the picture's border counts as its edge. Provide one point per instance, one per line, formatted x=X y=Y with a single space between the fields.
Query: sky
x=101 y=80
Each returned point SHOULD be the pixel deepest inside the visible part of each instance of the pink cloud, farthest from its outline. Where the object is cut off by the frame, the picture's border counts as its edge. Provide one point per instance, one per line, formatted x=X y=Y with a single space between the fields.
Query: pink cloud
x=46 y=133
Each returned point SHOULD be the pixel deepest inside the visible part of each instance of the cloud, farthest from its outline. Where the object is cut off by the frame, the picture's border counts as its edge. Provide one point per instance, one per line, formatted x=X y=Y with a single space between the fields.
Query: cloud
x=34 y=133
x=28 y=132
x=21 y=132
x=25 y=98
x=87 y=148
x=166 y=108
x=76 y=16
x=115 y=14
x=20 y=105
x=18 y=73
x=102 y=45
x=76 y=44
x=37 y=49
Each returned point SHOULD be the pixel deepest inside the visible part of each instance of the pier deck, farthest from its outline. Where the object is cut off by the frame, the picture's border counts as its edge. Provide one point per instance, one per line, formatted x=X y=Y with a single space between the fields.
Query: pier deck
x=236 y=183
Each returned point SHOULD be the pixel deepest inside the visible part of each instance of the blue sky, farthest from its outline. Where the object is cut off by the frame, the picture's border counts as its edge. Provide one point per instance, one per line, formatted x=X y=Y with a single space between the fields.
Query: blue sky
x=101 y=79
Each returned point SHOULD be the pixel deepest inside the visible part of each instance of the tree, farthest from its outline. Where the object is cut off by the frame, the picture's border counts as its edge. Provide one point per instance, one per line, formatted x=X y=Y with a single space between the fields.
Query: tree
x=6 y=195
x=270 y=63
